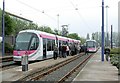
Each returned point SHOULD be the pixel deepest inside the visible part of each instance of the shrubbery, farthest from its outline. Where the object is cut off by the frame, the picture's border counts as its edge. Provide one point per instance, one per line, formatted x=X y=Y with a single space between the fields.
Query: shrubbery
x=115 y=56
x=8 y=48
x=114 y=59
x=115 y=51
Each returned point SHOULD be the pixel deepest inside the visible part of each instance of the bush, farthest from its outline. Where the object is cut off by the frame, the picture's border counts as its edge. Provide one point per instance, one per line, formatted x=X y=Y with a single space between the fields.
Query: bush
x=115 y=51
x=114 y=59
x=8 y=48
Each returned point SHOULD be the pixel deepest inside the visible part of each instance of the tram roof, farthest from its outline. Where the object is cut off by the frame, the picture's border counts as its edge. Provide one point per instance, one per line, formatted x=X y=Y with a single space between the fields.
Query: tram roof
x=90 y=40
x=42 y=34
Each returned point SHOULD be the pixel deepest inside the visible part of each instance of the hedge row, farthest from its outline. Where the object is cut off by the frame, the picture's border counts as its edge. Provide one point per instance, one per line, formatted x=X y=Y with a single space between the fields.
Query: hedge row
x=115 y=57
x=115 y=51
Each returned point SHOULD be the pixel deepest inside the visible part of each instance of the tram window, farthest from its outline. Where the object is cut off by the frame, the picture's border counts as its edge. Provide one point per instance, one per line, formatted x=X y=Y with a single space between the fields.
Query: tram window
x=53 y=44
x=57 y=41
x=44 y=44
x=64 y=42
x=34 y=43
x=48 y=45
x=60 y=42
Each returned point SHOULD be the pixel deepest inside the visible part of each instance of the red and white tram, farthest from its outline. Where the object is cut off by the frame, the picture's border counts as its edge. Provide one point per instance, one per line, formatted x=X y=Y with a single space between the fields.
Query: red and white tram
x=92 y=45
x=37 y=45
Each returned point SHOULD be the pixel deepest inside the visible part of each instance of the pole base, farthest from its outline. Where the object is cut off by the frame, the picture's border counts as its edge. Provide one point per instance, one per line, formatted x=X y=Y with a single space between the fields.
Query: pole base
x=25 y=67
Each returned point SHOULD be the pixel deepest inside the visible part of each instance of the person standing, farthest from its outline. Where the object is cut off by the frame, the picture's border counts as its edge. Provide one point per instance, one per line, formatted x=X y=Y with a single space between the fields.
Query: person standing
x=60 y=51
x=107 y=53
x=86 y=50
x=67 y=50
x=72 y=48
x=55 y=54
x=64 y=51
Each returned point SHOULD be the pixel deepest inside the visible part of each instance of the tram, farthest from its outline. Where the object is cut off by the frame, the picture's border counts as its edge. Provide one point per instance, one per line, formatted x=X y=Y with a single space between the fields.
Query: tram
x=92 y=45
x=37 y=45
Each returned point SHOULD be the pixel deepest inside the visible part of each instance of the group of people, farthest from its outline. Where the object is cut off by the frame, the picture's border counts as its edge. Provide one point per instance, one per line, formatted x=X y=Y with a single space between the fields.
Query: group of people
x=65 y=50
x=73 y=49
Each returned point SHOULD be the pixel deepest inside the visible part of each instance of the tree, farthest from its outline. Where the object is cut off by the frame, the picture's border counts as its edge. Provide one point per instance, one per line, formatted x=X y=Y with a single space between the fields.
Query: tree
x=47 y=29
x=88 y=37
x=74 y=36
x=19 y=25
x=41 y=28
x=93 y=36
x=118 y=39
x=23 y=25
x=9 y=29
x=82 y=40
x=56 y=31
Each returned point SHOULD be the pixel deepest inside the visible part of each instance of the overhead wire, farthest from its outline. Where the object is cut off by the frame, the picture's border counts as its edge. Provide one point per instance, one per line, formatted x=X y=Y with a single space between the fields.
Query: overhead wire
x=43 y=12
x=79 y=14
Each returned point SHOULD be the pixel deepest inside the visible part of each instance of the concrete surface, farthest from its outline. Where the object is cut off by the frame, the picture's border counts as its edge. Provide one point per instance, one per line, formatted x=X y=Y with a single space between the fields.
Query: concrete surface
x=96 y=70
x=14 y=74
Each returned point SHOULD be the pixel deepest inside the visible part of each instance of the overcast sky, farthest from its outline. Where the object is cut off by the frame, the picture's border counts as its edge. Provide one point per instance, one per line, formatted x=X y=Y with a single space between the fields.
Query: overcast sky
x=82 y=16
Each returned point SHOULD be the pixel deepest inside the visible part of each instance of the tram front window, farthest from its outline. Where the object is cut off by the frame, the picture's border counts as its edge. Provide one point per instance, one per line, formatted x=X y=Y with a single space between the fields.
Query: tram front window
x=22 y=41
x=90 y=44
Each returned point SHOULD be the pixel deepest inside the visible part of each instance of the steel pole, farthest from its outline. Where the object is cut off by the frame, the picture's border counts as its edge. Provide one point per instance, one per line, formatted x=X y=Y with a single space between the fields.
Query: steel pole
x=107 y=26
x=3 y=28
x=58 y=34
x=111 y=37
x=58 y=23
x=102 y=30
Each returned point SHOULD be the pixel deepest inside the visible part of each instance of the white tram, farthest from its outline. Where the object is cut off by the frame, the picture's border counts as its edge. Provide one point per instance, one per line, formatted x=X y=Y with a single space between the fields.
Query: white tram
x=37 y=45
x=92 y=45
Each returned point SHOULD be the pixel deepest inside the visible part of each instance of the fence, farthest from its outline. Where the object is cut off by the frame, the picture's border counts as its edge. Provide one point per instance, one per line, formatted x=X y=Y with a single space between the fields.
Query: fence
x=10 y=40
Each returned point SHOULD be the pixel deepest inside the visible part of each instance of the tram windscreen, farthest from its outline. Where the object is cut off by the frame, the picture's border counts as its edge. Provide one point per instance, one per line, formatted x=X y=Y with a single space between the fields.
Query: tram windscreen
x=22 y=41
x=90 y=44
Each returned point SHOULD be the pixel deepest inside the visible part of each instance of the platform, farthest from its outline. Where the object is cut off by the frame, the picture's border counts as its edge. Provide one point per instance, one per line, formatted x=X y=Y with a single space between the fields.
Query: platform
x=96 y=70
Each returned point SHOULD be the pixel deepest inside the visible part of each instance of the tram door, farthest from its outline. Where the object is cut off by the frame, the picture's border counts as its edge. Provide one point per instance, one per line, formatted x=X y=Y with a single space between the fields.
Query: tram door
x=44 y=48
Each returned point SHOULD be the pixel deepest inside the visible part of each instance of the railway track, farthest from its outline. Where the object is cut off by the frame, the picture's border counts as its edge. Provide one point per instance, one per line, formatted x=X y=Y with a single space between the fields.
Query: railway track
x=60 y=72
x=7 y=62
x=6 y=59
x=8 y=65
x=73 y=70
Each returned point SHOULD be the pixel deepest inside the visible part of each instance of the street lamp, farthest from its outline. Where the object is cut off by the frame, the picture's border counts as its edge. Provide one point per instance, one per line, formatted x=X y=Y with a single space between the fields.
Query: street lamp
x=3 y=28
x=58 y=22
x=107 y=24
x=58 y=30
